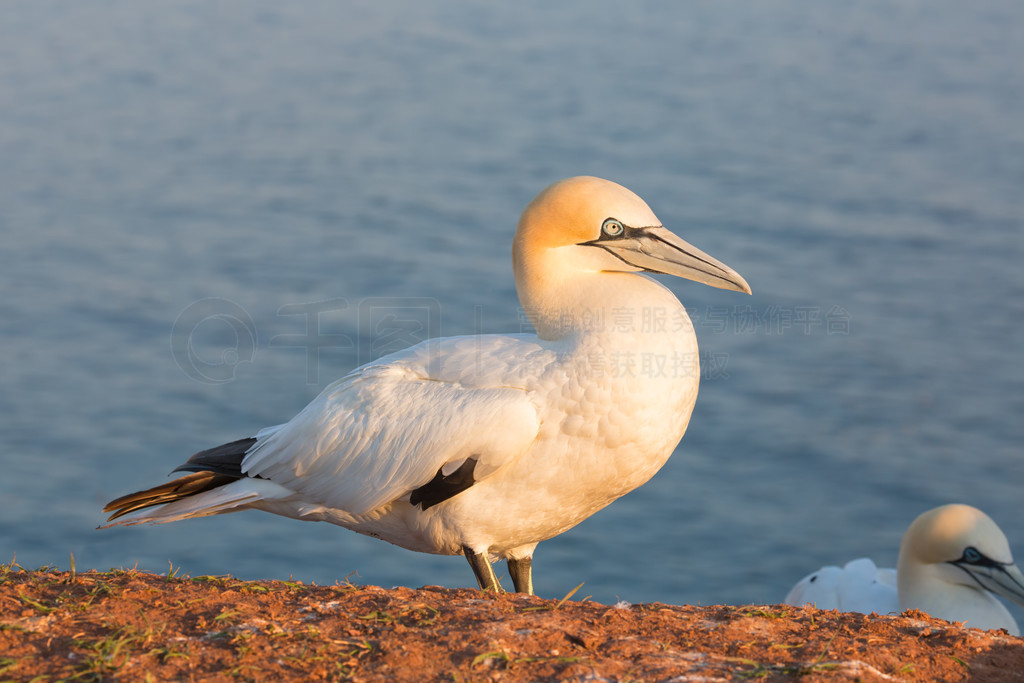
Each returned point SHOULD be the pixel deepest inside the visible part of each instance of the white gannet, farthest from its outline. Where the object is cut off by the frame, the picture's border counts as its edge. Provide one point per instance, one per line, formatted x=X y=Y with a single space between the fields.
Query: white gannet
x=486 y=445
x=952 y=559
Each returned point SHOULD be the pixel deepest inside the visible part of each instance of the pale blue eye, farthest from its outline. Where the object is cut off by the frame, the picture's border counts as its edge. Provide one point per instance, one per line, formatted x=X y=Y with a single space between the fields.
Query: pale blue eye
x=612 y=227
x=972 y=555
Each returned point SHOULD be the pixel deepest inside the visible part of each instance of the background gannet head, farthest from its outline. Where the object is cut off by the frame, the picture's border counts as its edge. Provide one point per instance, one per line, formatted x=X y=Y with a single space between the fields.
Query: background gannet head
x=583 y=227
x=951 y=558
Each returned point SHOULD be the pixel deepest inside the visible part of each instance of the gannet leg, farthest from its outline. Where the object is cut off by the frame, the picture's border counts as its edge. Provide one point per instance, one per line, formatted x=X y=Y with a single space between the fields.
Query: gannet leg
x=482 y=569
x=522 y=575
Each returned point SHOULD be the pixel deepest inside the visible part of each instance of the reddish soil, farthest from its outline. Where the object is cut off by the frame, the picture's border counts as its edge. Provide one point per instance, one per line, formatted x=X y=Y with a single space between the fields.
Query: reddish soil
x=134 y=626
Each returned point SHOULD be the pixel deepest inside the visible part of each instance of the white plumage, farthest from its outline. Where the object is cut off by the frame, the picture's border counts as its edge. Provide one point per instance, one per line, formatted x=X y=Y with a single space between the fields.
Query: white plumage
x=487 y=445
x=857 y=586
x=952 y=561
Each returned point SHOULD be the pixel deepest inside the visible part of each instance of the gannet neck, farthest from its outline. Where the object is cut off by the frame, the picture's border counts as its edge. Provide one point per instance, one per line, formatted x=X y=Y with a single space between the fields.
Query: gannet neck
x=564 y=299
x=939 y=592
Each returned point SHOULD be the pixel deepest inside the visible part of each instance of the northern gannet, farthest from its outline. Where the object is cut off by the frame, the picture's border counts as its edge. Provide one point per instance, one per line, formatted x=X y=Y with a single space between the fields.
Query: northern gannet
x=486 y=445
x=952 y=559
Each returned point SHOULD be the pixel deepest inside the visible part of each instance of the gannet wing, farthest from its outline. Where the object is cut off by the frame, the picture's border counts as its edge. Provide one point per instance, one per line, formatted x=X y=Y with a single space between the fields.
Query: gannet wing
x=388 y=432
x=864 y=587
x=817 y=589
x=859 y=586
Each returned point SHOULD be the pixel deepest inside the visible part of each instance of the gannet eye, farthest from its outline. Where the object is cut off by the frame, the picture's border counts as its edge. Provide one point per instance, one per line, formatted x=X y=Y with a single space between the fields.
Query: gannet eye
x=612 y=228
x=972 y=555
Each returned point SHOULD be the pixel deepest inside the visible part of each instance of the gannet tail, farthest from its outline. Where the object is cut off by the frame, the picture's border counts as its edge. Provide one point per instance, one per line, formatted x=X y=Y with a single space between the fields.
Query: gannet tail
x=207 y=491
x=182 y=487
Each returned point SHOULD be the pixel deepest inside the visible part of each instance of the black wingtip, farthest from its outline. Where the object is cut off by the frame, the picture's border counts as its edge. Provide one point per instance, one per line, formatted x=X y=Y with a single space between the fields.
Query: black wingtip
x=442 y=487
x=224 y=459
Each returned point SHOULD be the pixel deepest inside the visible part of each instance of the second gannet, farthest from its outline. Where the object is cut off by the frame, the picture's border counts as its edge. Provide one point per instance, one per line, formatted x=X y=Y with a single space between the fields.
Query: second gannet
x=487 y=445
x=952 y=559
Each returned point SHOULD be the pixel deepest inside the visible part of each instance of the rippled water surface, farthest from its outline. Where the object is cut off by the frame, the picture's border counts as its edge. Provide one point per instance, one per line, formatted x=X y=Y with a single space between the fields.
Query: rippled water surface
x=861 y=165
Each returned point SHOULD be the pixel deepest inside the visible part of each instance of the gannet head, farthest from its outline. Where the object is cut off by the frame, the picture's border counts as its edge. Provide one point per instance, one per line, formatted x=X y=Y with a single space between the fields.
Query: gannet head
x=949 y=557
x=586 y=226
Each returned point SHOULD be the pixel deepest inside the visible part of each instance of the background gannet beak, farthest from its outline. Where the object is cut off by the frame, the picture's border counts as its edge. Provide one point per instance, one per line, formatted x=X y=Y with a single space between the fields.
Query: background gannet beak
x=1002 y=579
x=657 y=250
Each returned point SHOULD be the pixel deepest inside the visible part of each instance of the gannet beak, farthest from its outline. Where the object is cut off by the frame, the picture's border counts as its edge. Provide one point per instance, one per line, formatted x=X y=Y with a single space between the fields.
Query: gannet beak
x=1002 y=579
x=657 y=250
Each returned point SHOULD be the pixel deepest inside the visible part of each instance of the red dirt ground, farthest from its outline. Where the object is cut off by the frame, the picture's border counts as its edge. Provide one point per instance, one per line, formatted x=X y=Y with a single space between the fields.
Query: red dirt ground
x=126 y=625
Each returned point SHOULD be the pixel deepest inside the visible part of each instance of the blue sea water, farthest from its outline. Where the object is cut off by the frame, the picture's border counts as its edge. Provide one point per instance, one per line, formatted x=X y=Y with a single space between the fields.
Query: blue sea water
x=301 y=186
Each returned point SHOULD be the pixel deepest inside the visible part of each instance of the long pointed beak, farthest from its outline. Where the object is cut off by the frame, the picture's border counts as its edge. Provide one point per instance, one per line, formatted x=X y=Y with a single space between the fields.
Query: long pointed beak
x=657 y=250
x=1002 y=579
